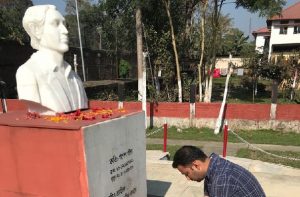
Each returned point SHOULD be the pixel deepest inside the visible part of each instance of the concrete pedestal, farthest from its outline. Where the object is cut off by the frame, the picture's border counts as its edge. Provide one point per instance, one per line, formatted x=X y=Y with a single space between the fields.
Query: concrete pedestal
x=100 y=158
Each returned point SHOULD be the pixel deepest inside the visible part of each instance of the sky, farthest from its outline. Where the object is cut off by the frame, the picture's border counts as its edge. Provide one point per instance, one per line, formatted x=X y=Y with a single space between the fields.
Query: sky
x=242 y=19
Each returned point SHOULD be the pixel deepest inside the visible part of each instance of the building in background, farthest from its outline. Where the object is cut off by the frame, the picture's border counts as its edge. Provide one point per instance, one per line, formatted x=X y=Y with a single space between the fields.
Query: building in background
x=262 y=39
x=282 y=34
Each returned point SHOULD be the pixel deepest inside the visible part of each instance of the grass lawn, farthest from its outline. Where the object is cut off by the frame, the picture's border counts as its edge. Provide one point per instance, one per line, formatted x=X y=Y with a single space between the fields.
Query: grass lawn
x=257 y=155
x=170 y=148
x=253 y=136
x=244 y=153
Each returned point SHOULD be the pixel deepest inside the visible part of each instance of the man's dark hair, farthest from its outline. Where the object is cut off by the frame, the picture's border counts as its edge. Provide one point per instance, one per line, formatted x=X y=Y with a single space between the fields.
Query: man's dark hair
x=187 y=155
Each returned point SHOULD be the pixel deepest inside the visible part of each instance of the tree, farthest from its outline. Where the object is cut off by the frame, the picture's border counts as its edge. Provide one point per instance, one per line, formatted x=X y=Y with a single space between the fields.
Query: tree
x=217 y=6
x=276 y=69
x=167 y=6
x=117 y=22
x=233 y=42
x=11 y=15
x=202 y=45
x=71 y=7
x=189 y=8
x=264 y=7
x=253 y=63
x=139 y=50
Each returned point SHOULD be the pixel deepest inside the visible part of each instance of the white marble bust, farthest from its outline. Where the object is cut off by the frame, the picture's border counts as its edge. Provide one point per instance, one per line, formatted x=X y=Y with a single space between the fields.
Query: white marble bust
x=46 y=81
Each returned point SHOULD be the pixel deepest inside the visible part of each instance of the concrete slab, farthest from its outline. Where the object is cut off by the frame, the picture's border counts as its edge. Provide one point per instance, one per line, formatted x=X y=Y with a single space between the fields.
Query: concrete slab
x=156 y=155
x=163 y=180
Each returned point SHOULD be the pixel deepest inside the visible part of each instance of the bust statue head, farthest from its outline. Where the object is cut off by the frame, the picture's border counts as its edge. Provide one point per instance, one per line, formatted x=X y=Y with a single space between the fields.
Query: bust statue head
x=46 y=28
x=45 y=81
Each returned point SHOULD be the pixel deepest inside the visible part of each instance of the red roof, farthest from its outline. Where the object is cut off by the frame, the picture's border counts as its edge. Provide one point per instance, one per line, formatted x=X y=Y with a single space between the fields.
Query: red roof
x=292 y=12
x=263 y=30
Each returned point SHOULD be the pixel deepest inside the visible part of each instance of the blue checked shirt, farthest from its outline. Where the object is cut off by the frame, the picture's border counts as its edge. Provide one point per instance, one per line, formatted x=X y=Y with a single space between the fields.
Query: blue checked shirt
x=226 y=179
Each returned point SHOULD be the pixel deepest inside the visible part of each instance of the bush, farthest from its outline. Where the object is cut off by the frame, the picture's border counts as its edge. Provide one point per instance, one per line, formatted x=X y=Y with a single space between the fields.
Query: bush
x=246 y=82
x=124 y=68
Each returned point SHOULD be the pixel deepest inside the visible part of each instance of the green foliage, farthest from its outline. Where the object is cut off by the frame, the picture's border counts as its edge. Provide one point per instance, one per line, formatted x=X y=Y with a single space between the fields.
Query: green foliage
x=119 y=24
x=248 y=83
x=248 y=48
x=124 y=68
x=188 y=79
x=106 y=95
x=233 y=42
x=11 y=15
x=264 y=7
x=110 y=22
x=71 y=7
x=162 y=59
x=113 y=23
x=278 y=69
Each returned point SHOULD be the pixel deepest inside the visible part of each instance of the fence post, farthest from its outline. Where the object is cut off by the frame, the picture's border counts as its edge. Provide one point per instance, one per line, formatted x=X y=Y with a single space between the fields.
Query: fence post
x=165 y=136
x=225 y=139
x=192 y=104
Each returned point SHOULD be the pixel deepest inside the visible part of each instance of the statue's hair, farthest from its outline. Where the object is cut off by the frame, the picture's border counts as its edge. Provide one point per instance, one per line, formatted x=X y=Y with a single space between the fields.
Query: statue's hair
x=33 y=21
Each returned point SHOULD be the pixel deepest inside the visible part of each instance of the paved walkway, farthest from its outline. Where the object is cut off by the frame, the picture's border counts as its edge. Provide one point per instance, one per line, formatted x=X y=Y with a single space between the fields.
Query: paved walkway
x=163 y=180
x=217 y=147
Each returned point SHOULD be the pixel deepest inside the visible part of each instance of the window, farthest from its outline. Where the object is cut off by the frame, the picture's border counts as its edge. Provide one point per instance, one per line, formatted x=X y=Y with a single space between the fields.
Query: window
x=296 y=21
x=283 y=26
x=283 y=30
x=285 y=22
x=297 y=30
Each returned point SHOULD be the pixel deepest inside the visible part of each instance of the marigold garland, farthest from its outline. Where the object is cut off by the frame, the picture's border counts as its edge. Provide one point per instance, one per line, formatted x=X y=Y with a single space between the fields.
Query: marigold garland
x=92 y=114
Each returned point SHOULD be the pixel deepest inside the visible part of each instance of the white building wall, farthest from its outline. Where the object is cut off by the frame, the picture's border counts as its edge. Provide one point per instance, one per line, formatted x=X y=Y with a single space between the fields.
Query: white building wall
x=288 y=38
x=277 y=38
x=222 y=63
x=260 y=43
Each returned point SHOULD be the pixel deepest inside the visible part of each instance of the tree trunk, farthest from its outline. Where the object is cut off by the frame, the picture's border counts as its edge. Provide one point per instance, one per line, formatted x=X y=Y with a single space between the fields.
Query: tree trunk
x=188 y=15
x=202 y=30
x=208 y=85
x=209 y=95
x=253 y=88
x=274 y=99
x=139 y=46
x=167 y=5
x=294 y=84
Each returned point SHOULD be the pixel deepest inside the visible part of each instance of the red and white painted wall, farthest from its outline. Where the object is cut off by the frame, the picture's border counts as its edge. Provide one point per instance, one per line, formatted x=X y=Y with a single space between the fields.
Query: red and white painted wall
x=239 y=116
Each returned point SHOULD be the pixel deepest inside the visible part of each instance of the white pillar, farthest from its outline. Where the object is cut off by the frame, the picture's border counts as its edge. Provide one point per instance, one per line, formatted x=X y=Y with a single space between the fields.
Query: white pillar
x=220 y=117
